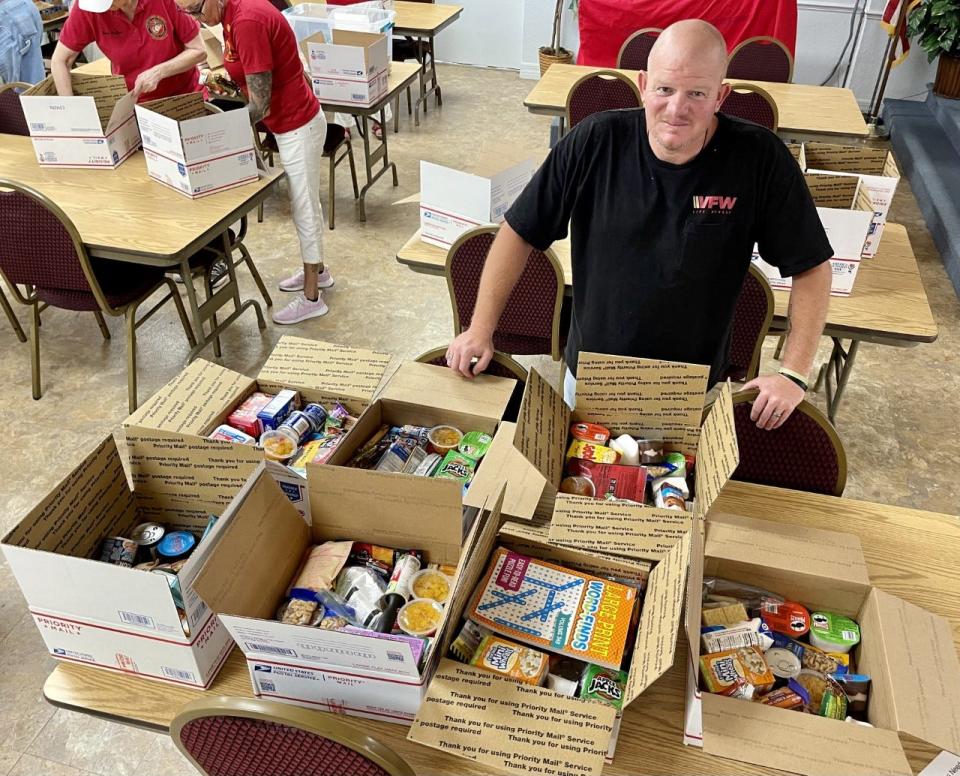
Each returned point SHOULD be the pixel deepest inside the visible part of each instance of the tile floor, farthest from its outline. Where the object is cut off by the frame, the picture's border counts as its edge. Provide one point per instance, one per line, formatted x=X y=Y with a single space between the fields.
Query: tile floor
x=899 y=421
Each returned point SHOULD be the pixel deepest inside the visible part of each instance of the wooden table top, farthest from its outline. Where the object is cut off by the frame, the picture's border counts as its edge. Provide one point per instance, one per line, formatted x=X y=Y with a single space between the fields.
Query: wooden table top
x=423 y=18
x=803 y=108
x=123 y=213
x=888 y=304
x=922 y=571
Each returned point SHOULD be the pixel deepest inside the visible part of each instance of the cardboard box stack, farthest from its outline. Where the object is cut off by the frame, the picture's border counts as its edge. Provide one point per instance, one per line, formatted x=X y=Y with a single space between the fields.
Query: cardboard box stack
x=95 y=128
x=195 y=152
x=350 y=69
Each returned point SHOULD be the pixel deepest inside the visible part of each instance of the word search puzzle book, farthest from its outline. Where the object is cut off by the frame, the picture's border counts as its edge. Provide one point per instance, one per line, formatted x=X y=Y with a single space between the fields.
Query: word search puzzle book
x=554 y=608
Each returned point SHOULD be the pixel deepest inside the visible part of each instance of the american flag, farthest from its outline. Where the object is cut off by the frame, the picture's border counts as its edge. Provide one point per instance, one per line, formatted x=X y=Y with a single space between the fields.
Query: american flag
x=889 y=22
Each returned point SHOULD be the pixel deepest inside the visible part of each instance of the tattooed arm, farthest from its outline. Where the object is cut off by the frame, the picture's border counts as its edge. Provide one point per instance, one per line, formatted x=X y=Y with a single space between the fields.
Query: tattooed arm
x=259 y=92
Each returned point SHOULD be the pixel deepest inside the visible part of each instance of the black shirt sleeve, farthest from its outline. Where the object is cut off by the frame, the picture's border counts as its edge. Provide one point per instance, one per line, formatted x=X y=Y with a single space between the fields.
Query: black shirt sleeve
x=790 y=235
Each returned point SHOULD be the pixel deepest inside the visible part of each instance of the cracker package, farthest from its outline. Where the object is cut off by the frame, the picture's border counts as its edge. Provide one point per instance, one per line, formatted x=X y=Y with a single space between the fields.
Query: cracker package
x=554 y=608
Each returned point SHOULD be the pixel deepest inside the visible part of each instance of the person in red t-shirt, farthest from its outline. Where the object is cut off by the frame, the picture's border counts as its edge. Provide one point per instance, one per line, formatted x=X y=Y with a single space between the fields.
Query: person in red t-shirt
x=149 y=42
x=260 y=54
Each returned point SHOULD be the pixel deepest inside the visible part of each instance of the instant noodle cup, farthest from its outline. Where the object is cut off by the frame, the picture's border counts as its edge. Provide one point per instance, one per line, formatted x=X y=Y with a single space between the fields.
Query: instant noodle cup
x=432 y=584
x=420 y=617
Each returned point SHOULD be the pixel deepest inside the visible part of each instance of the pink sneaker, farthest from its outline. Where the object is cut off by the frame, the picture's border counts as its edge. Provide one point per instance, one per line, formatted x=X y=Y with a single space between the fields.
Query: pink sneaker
x=301 y=309
x=295 y=281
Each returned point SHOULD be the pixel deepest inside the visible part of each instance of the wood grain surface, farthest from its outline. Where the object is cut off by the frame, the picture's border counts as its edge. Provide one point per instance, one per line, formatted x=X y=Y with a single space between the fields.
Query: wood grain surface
x=423 y=18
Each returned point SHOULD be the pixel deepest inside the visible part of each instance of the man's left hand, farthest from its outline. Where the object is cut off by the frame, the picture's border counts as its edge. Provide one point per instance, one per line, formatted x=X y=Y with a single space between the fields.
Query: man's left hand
x=778 y=398
x=148 y=80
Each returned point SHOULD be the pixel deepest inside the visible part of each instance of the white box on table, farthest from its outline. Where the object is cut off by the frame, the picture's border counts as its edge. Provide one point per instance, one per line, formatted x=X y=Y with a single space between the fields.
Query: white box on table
x=350 y=69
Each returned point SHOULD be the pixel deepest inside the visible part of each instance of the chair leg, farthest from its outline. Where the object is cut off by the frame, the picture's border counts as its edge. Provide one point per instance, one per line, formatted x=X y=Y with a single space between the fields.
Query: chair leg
x=409 y=103
x=260 y=213
x=181 y=311
x=332 y=182
x=396 y=115
x=130 y=326
x=35 y=348
x=102 y=324
x=247 y=259
x=353 y=172
x=17 y=328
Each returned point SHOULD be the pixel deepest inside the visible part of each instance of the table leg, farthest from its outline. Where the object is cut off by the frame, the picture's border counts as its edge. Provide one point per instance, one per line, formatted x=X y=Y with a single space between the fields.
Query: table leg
x=841 y=363
x=428 y=74
x=371 y=158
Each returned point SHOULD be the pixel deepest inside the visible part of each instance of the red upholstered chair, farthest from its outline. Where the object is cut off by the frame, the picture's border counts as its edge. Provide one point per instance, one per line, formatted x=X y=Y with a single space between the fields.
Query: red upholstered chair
x=501 y=366
x=805 y=453
x=530 y=323
x=761 y=59
x=751 y=321
x=43 y=252
x=599 y=91
x=12 y=122
x=752 y=103
x=636 y=49
x=223 y=736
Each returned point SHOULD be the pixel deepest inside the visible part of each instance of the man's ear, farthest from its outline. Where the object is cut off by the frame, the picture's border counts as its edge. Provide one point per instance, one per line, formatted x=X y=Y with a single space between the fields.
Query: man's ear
x=722 y=95
x=643 y=81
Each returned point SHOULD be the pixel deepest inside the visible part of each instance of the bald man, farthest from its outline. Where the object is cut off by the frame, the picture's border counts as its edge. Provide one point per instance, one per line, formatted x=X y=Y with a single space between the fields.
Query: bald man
x=664 y=205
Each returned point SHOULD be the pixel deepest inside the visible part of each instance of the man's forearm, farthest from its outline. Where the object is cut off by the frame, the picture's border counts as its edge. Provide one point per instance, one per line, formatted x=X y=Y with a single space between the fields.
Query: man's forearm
x=259 y=92
x=806 y=315
x=60 y=64
x=185 y=60
x=504 y=265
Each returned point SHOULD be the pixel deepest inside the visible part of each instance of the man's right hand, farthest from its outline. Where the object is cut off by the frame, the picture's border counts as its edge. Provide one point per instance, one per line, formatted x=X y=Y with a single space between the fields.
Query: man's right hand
x=467 y=346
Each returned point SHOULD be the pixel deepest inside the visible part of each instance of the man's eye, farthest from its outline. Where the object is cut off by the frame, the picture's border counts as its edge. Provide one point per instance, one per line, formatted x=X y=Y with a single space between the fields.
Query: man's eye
x=663 y=90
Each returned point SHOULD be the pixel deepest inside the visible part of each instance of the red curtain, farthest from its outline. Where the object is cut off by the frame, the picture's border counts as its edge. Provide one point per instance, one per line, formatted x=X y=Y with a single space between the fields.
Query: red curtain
x=606 y=24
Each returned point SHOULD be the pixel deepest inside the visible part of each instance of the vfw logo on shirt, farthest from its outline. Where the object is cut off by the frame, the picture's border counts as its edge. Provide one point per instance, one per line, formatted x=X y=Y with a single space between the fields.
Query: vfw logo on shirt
x=713 y=204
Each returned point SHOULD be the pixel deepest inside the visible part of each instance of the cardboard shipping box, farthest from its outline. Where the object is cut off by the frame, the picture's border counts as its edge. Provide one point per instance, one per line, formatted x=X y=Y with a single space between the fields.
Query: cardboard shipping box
x=908 y=652
x=350 y=69
x=195 y=152
x=96 y=127
x=641 y=397
x=213 y=45
x=245 y=580
x=110 y=616
x=173 y=424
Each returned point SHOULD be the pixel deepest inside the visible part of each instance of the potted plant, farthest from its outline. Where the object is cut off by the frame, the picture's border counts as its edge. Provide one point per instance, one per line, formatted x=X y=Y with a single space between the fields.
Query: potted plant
x=935 y=24
x=555 y=53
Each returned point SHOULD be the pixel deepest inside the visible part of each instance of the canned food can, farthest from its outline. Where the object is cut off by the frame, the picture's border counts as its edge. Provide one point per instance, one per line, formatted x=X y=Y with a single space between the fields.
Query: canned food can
x=297 y=426
x=317 y=415
x=119 y=551
x=148 y=536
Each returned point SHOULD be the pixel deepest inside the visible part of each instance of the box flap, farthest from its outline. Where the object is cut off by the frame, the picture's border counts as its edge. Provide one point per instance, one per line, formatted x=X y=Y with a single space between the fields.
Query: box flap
x=827 y=190
x=179 y=107
x=122 y=110
x=863 y=159
x=717 y=453
x=429 y=385
x=800 y=743
x=213 y=45
x=324 y=371
x=504 y=465
x=617 y=527
x=106 y=91
x=160 y=132
x=258 y=553
x=641 y=397
x=194 y=400
x=350 y=38
x=541 y=433
x=656 y=643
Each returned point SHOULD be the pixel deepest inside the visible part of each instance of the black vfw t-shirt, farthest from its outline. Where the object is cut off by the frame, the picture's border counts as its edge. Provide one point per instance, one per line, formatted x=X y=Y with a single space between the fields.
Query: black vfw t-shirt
x=660 y=250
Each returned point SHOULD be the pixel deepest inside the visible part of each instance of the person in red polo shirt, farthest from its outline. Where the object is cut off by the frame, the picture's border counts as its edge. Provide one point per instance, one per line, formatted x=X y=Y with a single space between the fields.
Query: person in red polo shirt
x=261 y=56
x=149 y=42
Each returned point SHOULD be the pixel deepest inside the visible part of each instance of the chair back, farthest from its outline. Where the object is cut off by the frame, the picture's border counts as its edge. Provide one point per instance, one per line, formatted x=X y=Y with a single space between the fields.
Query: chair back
x=804 y=453
x=599 y=91
x=751 y=321
x=500 y=366
x=762 y=58
x=224 y=736
x=752 y=103
x=530 y=323
x=12 y=120
x=636 y=49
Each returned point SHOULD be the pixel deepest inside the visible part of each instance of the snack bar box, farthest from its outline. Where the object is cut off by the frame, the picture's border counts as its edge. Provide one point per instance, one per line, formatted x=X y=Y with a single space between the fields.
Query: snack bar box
x=519 y=728
x=95 y=128
x=195 y=152
x=645 y=398
x=350 y=69
x=245 y=580
x=109 y=616
x=173 y=425
x=908 y=652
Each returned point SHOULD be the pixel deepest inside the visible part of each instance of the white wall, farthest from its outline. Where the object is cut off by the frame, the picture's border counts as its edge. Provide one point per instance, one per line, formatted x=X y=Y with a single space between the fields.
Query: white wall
x=487 y=34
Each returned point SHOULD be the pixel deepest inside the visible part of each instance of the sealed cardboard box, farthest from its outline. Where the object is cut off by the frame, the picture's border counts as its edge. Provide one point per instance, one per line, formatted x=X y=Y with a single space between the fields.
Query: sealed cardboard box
x=907 y=651
x=95 y=128
x=108 y=615
x=213 y=45
x=175 y=423
x=352 y=68
x=195 y=152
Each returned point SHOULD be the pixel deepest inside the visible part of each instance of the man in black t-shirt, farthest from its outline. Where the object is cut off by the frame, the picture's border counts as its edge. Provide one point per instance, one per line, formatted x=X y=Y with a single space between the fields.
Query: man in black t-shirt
x=664 y=205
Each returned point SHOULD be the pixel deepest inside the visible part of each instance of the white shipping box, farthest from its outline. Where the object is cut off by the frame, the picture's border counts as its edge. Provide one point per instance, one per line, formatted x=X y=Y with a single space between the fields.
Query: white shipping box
x=454 y=201
x=195 y=152
x=95 y=128
x=362 y=18
x=341 y=90
x=359 y=55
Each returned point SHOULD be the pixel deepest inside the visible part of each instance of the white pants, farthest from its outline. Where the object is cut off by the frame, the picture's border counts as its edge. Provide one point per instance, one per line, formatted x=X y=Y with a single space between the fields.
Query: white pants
x=301 y=152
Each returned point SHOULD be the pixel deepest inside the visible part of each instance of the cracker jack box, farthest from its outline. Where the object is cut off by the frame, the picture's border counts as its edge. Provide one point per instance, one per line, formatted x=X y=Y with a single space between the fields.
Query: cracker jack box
x=95 y=128
x=641 y=397
x=521 y=728
x=350 y=69
x=245 y=580
x=846 y=211
x=454 y=201
x=109 y=616
x=875 y=167
x=195 y=152
x=908 y=652
x=175 y=422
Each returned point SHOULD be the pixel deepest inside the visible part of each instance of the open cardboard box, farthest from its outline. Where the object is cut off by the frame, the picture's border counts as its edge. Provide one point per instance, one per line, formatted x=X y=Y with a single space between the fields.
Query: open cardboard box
x=114 y=617
x=908 y=652
x=173 y=425
x=644 y=398
x=519 y=728
x=246 y=577
x=94 y=128
x=352 y=68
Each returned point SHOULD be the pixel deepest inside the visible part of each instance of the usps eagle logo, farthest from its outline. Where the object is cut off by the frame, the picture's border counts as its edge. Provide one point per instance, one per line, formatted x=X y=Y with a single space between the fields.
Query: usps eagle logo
x=157 y=27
